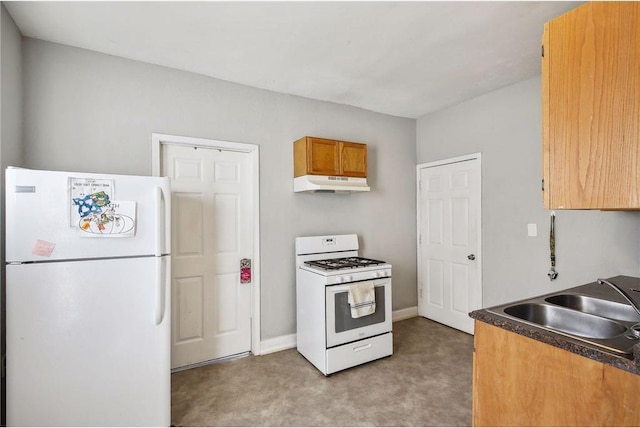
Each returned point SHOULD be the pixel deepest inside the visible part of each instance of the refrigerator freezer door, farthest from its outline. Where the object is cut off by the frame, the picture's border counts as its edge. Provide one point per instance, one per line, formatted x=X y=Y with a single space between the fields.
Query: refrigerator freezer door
x=83 y=347
x=44 y=224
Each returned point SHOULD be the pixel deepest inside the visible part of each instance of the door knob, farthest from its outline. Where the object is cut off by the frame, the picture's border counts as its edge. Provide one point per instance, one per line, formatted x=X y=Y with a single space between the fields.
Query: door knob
x=471 y=256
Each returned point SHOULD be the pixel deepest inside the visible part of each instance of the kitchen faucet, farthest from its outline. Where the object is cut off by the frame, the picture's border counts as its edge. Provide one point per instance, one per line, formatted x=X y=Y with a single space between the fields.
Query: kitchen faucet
x=622 y=293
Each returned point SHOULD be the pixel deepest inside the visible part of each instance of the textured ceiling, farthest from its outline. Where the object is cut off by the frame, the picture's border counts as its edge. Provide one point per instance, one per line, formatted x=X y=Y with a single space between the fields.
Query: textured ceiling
x=400 y=58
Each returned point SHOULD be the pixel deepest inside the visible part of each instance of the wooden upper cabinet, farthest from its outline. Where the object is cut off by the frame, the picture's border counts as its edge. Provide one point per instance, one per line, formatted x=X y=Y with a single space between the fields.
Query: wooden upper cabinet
x=353 y=159
x=321 y=156
x=591 y=107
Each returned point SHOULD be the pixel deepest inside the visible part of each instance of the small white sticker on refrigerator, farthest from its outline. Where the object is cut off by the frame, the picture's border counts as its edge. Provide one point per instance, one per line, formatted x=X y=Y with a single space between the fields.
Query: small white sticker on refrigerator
x=43 y=248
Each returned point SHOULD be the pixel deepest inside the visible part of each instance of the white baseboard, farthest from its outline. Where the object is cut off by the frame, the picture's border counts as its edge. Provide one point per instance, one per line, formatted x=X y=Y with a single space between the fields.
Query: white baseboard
x=288 y=341
x=276 y=344
x=404 y=314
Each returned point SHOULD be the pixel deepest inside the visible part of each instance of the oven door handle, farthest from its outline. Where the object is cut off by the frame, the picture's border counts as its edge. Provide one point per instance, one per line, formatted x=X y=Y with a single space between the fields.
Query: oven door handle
x=344 y=288
x=338 y=289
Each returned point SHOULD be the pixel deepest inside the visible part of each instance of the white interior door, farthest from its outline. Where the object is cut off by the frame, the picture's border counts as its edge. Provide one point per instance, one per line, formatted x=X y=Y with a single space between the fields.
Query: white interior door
x=211 y=233
x=449 y=263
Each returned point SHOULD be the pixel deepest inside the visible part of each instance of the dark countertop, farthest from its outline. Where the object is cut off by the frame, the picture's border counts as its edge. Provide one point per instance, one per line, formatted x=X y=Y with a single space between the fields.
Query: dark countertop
x=630 y=362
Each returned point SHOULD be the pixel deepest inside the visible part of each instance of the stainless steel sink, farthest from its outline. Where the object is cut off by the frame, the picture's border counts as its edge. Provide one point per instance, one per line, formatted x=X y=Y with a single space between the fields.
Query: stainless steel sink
x=590 y=315
x=567 y=320
x=595 y=306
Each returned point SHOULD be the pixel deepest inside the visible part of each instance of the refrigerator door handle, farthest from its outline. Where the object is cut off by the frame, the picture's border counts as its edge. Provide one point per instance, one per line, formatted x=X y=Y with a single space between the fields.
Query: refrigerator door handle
x=161 y=273
x=162 y=276
x=159 y=221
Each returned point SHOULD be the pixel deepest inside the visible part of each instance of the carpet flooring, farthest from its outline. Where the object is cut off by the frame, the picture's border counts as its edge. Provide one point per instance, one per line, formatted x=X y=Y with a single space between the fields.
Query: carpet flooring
x=426 y=382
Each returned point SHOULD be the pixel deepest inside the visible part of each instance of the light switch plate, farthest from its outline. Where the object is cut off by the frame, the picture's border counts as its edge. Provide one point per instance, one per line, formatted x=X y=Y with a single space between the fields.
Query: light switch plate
x=532 y=229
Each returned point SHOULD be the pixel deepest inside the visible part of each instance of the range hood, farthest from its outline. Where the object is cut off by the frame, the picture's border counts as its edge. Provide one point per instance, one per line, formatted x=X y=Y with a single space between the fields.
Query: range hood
x=329 y=184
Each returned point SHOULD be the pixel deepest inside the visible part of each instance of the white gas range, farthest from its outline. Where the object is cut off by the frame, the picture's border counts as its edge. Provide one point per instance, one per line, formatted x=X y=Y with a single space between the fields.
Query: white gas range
x=327 y=333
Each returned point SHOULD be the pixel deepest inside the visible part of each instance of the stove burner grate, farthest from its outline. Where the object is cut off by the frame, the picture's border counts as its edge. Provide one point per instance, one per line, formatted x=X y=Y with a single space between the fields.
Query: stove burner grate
x=344 y=263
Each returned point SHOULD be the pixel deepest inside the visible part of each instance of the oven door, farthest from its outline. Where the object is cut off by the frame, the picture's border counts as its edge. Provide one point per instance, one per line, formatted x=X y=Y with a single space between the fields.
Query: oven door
x=341 y=328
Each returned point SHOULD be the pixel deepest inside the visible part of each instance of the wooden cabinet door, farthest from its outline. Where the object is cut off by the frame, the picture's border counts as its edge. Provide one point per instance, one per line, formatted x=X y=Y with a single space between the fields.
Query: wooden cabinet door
x=518 y=381
x=323 y=156
x=591 y=107
x=353 y=159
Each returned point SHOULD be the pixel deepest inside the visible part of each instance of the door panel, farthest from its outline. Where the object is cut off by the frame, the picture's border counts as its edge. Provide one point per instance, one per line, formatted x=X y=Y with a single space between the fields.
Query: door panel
x=227 y=303
x=39 y=208
x=435 y=292
x=189 y=290
x=435 y=227
x=448 y=213
x=460 y=222
x=88 y=329
x=460 y=288
x=323 y=157
x=353 y=159
x=188 y=218
x=213 y=231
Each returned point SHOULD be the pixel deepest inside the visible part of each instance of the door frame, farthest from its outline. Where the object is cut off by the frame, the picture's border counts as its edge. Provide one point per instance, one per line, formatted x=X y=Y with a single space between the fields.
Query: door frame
x=419 y=167
x=253 y=150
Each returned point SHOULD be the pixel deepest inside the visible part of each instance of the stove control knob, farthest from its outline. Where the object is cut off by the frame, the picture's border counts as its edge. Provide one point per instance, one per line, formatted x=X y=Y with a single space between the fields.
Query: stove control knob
x=338 y=280
x=347 y=278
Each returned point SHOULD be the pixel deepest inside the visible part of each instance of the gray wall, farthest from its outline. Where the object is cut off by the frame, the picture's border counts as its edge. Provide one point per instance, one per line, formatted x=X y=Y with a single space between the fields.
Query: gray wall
x=10 y=101
x=11 y=91
x=87 y=111
x=11 y=97
x=505 y=126
x=10 y=133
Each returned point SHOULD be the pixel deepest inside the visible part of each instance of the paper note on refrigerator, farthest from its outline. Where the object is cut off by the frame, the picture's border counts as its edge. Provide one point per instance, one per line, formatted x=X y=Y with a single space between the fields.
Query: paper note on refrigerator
x=43 y=248
x=117 y=219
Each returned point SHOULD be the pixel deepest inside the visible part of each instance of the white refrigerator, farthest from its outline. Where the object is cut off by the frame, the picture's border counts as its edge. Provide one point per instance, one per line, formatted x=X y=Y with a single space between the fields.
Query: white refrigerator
x=87 y=299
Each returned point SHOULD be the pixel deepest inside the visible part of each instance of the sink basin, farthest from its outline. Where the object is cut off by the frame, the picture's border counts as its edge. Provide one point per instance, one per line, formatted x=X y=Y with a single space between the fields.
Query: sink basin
x=595 y=306
x=566 y=320
x=590 y=315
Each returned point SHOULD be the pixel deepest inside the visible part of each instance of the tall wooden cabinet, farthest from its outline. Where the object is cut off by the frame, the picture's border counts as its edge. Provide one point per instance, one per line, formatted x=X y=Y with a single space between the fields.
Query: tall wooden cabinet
x=321 y=156
x=591 y=107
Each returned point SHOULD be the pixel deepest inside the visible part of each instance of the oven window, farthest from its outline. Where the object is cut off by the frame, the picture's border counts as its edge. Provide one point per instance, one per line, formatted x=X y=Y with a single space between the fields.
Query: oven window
x=344 y=322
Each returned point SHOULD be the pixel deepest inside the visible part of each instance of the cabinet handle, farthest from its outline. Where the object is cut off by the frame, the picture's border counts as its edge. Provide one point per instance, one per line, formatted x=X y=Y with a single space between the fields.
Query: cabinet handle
x=552 y=274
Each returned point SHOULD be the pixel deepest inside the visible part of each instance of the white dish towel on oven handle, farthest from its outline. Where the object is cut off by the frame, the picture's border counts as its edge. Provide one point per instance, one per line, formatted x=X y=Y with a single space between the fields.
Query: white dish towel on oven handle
x=362 y=299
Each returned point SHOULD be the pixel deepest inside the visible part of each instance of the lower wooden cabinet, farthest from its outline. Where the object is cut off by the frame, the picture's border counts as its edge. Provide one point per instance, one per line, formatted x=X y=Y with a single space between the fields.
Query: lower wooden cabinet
x=518 y=381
